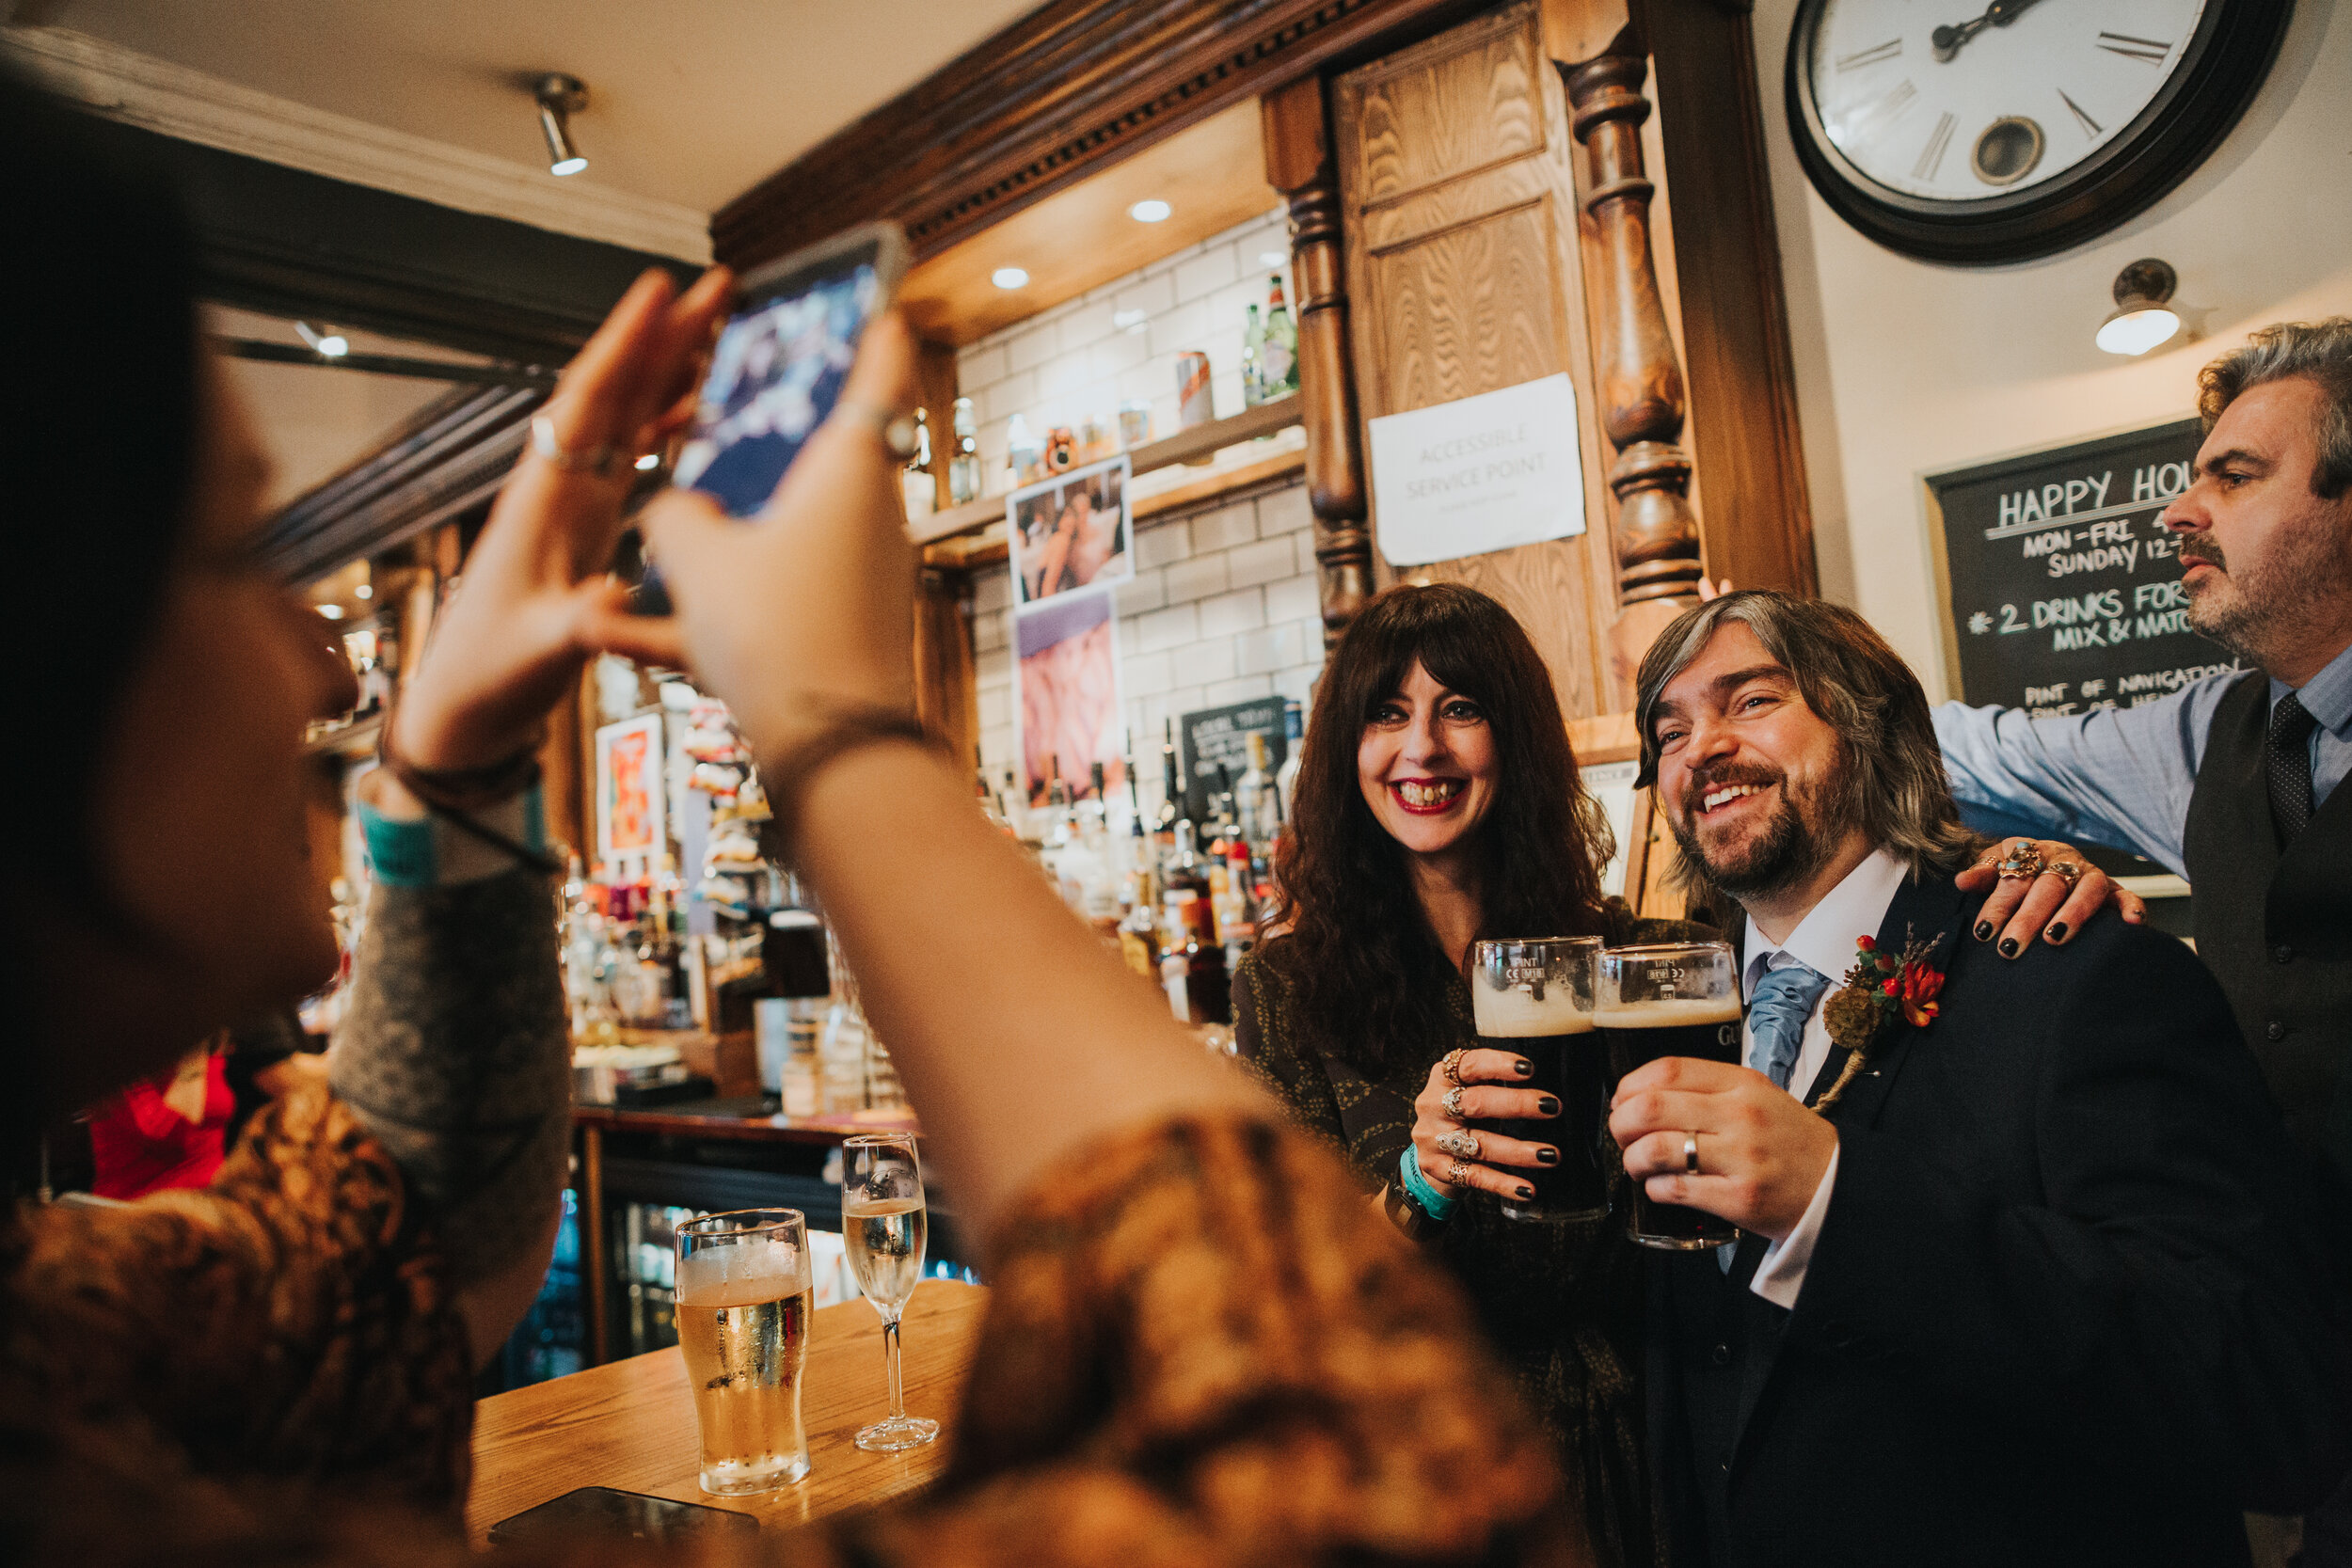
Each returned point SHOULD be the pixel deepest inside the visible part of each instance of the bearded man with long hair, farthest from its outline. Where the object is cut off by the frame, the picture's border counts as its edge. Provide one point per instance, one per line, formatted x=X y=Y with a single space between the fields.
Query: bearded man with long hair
x=1438 y=802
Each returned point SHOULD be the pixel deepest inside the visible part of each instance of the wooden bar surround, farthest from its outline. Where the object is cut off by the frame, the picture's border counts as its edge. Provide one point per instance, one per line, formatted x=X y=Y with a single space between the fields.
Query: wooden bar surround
x=1643 y=402
x=1298 y=164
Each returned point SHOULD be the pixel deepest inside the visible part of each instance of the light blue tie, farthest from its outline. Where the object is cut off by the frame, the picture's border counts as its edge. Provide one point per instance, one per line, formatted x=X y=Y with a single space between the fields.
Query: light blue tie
x=1778 y=1008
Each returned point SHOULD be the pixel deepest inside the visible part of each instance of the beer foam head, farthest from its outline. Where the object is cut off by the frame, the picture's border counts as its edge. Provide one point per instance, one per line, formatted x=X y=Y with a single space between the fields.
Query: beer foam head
x=758 y=1268
x=1667 y=1013
x=1515 y=1014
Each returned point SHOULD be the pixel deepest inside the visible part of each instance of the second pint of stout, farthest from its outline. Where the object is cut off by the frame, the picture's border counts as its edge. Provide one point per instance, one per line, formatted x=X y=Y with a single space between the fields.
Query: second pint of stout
x=1534 y=998
x=744 y=1295
x=1672 y=999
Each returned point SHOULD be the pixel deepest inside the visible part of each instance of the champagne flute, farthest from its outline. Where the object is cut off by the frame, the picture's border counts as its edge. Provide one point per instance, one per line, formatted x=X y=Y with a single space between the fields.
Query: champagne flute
x=883 y=1224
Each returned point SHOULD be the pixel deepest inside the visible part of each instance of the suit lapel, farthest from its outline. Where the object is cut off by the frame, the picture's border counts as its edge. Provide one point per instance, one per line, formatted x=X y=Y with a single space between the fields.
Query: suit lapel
x=1929 y=910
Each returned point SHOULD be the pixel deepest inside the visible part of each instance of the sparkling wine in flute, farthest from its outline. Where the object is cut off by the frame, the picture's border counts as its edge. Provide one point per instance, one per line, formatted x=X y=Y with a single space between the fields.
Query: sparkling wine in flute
x=742 y=1321
x=1534 y=999
x=885 y=1243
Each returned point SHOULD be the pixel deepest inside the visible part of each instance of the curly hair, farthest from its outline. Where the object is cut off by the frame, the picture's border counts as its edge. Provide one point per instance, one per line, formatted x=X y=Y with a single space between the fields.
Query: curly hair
x=1364 y=963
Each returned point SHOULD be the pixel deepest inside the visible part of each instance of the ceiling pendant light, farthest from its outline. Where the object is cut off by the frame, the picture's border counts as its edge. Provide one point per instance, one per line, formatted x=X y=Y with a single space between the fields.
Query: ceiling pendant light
x=2143 y=317
x=559 y=98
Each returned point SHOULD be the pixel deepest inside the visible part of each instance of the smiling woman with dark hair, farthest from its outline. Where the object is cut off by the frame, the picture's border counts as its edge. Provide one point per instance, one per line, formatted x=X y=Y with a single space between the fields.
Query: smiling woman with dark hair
x=1438 y=802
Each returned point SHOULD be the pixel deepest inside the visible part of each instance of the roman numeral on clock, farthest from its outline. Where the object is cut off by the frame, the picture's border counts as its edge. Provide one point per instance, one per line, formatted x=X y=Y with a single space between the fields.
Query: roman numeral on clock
x=2148 y=50
x=2091 y=127
x=1932 y=155
x=1861 y=57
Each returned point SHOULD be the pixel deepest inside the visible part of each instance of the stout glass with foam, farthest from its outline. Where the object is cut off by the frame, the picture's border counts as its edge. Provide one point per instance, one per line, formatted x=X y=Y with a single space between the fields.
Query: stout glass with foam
x=743 y=1300
x=1534 y=998
x=1668 y=999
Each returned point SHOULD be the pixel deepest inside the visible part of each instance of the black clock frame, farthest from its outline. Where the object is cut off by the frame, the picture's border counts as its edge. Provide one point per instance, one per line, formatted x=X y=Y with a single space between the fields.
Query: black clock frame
x=2227 y=62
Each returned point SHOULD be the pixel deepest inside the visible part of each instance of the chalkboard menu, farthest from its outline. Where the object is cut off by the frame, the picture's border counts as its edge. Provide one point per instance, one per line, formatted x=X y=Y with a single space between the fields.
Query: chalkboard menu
x=2065 y=593
x=1220 y=734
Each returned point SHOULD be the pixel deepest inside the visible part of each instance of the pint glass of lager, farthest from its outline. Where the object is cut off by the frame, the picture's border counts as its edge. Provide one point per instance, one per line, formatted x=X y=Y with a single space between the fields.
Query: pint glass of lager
x=1534 y=998
x=1674 y=999
x=743 y=1300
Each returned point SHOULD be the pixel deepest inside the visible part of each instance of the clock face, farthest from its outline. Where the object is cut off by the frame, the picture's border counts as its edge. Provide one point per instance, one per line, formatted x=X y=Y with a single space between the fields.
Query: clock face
x=2003 y=105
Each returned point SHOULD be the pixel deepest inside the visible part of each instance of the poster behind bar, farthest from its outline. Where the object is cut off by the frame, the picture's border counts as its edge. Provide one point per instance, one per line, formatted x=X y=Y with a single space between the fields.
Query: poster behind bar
x=2064 y=590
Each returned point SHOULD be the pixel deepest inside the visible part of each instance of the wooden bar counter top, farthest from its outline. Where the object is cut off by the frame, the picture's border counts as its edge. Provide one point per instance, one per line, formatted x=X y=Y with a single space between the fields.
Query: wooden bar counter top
x=630 y=1424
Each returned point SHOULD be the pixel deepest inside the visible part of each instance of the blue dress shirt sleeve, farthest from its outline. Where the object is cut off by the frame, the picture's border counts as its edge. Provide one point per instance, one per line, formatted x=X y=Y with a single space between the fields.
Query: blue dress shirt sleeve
x=2120 y=777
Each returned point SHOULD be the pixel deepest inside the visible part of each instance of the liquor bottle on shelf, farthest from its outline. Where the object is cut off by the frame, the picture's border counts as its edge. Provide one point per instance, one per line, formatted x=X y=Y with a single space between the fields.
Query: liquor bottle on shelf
x=1192 y=965
x=1171 y=784
x=1294 y=737
x=1025 y=454
x=1183 y=872
x=1238 y=923
x=964 y=466
x=1252 y=359
x=1277 y=357
x=916 y=481
x=1252 y=806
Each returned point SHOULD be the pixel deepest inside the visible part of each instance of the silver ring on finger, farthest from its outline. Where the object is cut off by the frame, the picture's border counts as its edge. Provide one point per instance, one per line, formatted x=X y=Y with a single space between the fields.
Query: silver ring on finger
x=1460 y=1142
x=1457 y=1174
x=1689 y=1154
x=604 y=461
x=1453 y=1102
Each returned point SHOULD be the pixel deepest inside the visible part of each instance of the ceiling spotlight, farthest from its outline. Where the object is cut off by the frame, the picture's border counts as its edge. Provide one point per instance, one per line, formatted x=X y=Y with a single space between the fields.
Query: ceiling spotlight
x=2143 y=319
x=326 y=343
x=332 y=611
x=1127 y=320
x=651 y=460
x=559 y=98
x=1274 y=259
x=1153 y=211
x=1009 y=278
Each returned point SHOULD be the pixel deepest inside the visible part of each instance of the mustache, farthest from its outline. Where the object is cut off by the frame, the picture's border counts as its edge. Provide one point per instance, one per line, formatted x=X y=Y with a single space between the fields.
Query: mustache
x=1694 y=793
x=2205 y=551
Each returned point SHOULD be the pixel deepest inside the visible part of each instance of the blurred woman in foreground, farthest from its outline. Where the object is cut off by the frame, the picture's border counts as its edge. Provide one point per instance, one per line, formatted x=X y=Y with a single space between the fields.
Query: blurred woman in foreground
x=1201 y=1345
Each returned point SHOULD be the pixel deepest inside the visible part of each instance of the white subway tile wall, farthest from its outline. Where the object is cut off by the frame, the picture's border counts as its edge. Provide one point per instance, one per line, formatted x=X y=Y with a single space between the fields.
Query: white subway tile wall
x=1224 y=607
x=1188 y=638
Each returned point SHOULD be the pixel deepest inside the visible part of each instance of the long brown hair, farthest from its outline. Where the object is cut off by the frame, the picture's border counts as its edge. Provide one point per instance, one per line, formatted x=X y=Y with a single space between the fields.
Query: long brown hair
x=1363 y=965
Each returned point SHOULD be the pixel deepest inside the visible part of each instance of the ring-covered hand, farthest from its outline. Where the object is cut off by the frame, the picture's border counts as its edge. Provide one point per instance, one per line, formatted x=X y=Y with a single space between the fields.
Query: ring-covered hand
x=2041 y=886
x=1453 y=1156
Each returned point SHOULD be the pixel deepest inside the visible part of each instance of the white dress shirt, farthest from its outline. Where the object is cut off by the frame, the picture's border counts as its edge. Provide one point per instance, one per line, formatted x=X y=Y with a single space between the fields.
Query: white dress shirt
x=1825 y=943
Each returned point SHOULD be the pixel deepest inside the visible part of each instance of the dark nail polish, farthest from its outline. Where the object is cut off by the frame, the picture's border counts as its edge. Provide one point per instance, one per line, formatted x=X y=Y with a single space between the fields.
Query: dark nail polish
x=1548 y=1107
x=2056 y=931
x=1526 y=1190
x=1984 y=929
x=2009 y=947
x=1523 y=1068
x=1547 y=1156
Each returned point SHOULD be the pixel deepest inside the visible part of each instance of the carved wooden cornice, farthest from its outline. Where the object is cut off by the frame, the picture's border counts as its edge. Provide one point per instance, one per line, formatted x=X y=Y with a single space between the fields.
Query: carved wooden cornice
x=1072 y=86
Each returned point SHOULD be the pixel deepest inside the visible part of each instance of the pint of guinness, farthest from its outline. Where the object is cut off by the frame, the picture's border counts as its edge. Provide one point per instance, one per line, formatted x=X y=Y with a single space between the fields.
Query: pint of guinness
x=1673 y=999
x=1535 y=998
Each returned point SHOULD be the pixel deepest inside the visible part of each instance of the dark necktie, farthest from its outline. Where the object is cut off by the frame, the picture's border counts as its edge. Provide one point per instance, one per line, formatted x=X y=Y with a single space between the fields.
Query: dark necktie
x=2289 y=766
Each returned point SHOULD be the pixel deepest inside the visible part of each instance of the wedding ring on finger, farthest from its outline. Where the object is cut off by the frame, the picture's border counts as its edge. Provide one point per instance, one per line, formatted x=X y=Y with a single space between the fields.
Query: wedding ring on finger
x=605 y=462
x=893 y=428
x=1453 y=1102
x=1689 y=1154
x=1453 y=1066
x=2023 y=863
x=1460 y=1142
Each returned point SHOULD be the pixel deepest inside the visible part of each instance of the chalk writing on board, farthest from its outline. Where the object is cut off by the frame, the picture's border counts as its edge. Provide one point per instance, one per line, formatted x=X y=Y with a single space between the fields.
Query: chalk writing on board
x=1220 y=736
x=2065 y=584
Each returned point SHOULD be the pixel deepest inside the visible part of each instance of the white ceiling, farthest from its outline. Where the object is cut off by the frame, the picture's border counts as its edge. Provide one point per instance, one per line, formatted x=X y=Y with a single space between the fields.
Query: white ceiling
x=691 y=102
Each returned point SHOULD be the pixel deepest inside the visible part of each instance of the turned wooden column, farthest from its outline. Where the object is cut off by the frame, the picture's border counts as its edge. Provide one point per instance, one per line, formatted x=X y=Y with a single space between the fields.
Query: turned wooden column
x=1298 y=164
x=945 y=697
x=1640 y=377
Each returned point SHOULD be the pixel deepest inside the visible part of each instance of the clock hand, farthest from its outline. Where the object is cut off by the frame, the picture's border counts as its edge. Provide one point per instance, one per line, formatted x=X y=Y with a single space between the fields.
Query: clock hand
x=1946 y=40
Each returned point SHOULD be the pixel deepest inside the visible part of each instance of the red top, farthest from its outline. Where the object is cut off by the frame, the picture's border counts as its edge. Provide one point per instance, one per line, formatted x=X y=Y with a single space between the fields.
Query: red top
x=142 y=1146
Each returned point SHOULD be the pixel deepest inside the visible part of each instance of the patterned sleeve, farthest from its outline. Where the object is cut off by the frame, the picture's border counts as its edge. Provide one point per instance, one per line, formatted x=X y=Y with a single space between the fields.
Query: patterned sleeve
x=1202 y=1346
x=1271 y=1051
x=284 y=1322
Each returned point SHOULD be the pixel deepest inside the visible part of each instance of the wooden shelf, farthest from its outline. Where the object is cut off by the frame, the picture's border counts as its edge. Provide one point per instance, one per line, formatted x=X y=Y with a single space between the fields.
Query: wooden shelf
x=1182 y=447
x=986 y=547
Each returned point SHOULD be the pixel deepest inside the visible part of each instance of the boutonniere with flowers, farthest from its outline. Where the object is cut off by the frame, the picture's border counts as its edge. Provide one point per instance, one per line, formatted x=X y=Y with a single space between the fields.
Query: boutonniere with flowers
x=1881 y=991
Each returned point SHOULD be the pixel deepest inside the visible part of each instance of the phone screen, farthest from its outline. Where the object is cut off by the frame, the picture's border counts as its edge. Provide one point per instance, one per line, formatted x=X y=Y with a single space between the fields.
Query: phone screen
x=774 y=375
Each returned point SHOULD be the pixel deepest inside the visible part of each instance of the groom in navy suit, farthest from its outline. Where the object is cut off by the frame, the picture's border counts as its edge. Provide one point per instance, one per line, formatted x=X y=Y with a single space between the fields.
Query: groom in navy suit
x=2025 y=1275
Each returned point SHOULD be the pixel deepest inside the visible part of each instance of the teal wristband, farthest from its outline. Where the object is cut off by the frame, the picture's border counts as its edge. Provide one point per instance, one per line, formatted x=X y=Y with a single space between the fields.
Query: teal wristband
x=1417 y=1186
x=432 y=852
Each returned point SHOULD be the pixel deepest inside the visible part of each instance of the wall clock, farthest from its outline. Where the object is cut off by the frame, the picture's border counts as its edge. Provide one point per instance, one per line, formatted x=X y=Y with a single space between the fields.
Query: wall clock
x=1984 y=131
